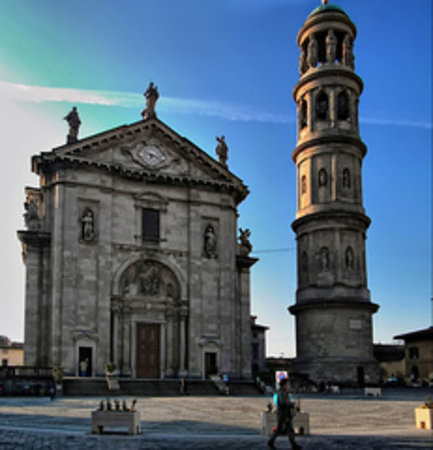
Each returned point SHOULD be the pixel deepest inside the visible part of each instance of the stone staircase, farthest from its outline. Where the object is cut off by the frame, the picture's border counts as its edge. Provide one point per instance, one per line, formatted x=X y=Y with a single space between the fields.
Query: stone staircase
x=97 y=386
x=246 y=388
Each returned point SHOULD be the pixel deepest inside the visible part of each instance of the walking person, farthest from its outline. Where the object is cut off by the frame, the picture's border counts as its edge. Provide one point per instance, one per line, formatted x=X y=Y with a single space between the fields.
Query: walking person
x=285 y=412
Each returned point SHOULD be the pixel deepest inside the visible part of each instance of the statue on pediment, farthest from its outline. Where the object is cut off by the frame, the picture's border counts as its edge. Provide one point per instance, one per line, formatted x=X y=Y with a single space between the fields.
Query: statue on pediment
x=222 y=150
x=74 y=123
x=245 y=246
x=151 y=96
x=31 y=216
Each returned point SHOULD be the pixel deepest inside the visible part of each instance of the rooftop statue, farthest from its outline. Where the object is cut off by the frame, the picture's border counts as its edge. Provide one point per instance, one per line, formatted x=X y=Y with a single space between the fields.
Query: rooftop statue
x=74 y=124
x=244 y=242
x=222 y=150
x=152 y=96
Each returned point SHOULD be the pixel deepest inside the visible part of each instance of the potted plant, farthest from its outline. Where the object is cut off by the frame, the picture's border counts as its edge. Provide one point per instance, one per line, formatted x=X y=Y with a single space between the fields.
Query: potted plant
x=58 y=372
x=109 y=368
x=112 y=381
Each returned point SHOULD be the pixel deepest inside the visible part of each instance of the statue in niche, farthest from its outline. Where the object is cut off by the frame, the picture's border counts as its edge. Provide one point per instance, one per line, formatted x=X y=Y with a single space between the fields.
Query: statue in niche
x=346 y=178
x=304 y=262
x=302 y=62
x=31 y=216
x=313 y=52
x=210 y=242
x=74 y=123
x=331 y=47
x=324 y=259
x=87 y=225
x=222 y=150
x=323 y=177
x=348 y=56
x=151 y=96
x=349 y=258
x=303 y=184
x=244 y=242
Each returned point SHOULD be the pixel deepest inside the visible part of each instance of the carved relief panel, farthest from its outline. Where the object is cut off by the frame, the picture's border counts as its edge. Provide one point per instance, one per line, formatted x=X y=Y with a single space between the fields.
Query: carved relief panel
x=147 y=278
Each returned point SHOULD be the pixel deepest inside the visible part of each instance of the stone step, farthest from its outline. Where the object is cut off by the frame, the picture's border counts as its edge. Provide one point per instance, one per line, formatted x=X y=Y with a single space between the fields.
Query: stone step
x=76 y=386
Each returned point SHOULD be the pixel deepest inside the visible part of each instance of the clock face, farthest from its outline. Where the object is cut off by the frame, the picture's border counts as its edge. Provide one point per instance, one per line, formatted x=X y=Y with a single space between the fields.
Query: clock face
x=152 y=156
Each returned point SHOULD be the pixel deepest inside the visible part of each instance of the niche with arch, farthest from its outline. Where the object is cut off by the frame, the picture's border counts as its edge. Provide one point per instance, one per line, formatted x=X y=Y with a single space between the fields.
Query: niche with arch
x=321 y=106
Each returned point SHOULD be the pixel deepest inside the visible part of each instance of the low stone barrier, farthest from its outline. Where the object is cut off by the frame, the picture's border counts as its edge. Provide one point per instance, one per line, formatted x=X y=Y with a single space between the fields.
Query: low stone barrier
x=373 y=392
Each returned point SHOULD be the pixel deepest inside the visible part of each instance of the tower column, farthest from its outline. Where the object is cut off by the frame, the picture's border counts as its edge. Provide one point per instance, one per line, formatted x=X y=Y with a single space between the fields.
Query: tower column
x=333 y=308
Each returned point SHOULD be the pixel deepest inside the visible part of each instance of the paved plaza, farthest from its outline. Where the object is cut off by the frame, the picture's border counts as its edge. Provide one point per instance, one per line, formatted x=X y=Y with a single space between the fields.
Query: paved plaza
x=345 y=421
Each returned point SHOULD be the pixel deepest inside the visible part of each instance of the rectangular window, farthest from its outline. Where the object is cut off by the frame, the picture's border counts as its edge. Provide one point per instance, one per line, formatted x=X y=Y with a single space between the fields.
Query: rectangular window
x=413 y=353
x=255 y=351
x=150 y=224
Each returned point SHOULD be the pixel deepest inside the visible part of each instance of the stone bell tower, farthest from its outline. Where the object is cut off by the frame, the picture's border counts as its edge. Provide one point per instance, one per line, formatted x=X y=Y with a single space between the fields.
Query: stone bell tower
x=333 y=308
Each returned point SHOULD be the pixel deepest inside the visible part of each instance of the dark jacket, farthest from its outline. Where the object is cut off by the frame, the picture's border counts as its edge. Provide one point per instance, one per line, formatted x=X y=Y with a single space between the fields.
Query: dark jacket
x=286 y=408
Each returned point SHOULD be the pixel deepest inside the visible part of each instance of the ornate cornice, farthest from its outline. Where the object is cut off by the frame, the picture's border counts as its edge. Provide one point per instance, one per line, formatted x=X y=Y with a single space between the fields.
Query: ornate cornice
x=34 y=238
x=334 y=303
x=320 y=216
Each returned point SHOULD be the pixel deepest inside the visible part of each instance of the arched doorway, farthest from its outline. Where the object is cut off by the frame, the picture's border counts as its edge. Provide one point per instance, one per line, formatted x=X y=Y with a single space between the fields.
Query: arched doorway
x=148 y=321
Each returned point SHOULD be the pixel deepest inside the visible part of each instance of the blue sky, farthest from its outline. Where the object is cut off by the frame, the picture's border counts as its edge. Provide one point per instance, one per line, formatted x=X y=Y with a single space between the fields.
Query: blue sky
x=229 y=67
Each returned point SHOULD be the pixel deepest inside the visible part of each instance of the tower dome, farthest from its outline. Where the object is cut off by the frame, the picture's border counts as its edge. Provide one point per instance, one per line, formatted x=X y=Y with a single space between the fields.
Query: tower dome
x=325 y=7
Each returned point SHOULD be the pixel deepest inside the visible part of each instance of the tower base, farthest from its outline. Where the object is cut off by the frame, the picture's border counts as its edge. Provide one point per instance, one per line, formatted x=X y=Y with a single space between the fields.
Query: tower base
x=346 y=373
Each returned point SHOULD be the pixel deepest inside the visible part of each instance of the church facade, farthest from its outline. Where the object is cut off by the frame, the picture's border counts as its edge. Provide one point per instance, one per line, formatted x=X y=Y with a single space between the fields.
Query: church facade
x=132 y=256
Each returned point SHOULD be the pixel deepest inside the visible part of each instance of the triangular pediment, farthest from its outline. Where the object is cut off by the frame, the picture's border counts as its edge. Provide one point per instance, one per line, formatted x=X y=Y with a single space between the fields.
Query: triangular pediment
x=148 y=148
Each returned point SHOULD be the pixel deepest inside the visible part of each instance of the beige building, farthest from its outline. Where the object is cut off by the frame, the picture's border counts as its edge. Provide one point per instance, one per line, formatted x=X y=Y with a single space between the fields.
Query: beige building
x=12 y=353
x=418 y=348
x=333 y=308
x=391 y=361
x=132 y=255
